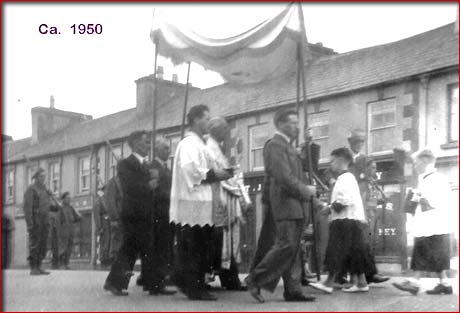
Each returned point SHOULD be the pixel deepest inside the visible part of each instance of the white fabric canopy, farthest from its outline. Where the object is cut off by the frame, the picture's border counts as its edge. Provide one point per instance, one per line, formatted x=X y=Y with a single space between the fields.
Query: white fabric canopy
x=263 y=52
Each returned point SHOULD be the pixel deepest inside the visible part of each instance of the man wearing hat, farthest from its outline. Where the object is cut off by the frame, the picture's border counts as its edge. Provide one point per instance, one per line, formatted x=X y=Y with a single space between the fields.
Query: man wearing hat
x=37 y=202
x=358 y=168
x=356 y=142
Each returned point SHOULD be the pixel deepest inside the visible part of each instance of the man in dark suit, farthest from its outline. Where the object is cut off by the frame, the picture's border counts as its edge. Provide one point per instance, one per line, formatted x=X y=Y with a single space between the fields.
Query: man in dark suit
x=135 y=214
x=288 y=196
x=162 y=240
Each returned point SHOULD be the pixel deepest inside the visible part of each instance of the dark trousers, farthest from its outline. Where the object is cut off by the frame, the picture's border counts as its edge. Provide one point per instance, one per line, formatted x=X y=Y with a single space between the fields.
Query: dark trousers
x=266 y=239
x=193 y=258
x=54 y=248
x=136 y=241
x=161 y=246
x=282 y=260
x=229 y=278
x=38 y=236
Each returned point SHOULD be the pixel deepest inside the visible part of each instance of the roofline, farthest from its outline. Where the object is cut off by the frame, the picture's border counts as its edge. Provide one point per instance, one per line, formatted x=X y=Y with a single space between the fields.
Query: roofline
x=269 y=107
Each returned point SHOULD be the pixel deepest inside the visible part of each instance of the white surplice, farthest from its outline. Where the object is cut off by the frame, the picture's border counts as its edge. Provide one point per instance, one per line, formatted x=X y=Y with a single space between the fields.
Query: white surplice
x=191 y=199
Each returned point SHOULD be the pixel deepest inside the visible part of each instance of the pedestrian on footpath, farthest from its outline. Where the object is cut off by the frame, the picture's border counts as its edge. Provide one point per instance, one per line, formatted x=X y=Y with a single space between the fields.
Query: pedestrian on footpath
x=37 y=203
x=432 y=226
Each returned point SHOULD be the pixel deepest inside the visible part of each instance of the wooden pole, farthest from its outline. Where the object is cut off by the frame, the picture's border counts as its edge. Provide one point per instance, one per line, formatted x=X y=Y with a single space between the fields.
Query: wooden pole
x=154 y=106
x=299 y=51
x=184 y=113
x=302 y=41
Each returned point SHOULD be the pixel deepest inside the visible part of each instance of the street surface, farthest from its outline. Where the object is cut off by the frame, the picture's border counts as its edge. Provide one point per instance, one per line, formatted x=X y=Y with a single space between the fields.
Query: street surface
x=82 y=291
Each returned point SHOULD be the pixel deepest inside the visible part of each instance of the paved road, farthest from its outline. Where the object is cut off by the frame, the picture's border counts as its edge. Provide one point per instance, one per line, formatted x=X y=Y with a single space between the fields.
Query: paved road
x=82 y=291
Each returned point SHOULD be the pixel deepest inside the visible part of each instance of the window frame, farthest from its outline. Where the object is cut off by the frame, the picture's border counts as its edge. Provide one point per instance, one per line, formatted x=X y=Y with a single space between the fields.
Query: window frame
x=329 y=123
x=80 y=190
x=369 y=124
x=10 y=199
x=51 y=176
x=252 y=168
x=450 y=88
x=172 y=152
x=112 y=162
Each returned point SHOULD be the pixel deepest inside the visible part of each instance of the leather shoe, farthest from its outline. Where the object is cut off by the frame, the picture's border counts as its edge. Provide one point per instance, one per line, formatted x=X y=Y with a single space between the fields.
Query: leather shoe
x=34 y=272
x=114 y=290
x=162 y=291
x=255 y=293
x=43 y=272
x=377 y=279
x=298 y=297
x=439 y=289
x=254 y=290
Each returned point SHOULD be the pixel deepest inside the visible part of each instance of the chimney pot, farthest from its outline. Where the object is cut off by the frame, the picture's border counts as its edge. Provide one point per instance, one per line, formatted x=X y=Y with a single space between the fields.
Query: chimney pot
x=160 y=72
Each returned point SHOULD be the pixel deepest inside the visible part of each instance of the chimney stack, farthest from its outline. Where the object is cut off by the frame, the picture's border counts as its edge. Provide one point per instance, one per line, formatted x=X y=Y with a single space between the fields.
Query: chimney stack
x=51 y=102
x=160 y=72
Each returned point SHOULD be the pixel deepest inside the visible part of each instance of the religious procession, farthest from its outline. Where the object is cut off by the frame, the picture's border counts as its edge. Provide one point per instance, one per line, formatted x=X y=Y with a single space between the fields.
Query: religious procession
x=320 y=207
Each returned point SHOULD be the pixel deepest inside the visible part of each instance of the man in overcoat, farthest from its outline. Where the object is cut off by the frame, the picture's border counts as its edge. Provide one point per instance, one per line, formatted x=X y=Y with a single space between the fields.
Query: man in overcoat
x=37 y=202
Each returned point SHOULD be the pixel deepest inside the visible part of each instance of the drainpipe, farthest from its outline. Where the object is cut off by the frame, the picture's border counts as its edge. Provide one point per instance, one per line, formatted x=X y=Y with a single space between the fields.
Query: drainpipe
x=423 y=112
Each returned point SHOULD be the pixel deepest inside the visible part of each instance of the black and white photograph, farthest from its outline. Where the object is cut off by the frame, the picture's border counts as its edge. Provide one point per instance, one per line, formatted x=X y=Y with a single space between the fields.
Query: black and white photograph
x=225 y=157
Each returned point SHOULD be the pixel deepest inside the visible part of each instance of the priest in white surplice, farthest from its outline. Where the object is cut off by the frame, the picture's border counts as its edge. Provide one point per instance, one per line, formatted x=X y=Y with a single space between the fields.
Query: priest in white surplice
x=230 y=198
x=191 y=205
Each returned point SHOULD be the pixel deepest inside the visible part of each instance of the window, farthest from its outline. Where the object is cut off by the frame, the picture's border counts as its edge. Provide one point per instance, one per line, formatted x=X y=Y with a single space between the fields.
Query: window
x=258 y=135
x=453 y=112
x=382 y=125
x=9 y=186
x=319 y=124
x=55 y=177
x=30 y=172
x=116 y=150
x=83 y=174
x=173 y=142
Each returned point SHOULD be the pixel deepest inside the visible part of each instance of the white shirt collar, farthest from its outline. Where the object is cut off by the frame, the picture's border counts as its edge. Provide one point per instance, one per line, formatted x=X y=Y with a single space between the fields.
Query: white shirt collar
x=139 y=157
x=284 y=136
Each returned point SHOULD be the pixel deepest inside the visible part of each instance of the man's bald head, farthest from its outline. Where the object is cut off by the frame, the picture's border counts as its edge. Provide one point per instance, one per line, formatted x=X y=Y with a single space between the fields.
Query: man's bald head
x=162 y=149
x=218 y=128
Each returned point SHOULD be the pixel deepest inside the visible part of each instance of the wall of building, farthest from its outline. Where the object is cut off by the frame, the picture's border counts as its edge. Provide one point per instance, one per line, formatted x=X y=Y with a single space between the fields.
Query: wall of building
x=436 y=135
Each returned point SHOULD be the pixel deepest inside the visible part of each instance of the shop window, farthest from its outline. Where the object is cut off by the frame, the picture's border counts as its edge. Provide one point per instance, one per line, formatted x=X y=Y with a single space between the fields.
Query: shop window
x=382 y=125
x=258 y=135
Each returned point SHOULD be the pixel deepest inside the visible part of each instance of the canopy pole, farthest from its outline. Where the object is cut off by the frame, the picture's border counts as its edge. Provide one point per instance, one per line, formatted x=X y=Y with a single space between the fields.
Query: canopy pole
x=316 y=258
x=299 y=49
x=184 y=113
x=154 y=107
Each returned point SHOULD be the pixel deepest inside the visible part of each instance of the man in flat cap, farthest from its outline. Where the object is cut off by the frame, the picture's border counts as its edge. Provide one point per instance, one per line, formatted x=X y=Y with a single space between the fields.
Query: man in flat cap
x=37 y=202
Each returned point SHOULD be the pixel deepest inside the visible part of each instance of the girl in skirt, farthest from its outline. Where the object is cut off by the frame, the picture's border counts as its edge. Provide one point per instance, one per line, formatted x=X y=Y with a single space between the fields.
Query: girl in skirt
x=346 y=250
